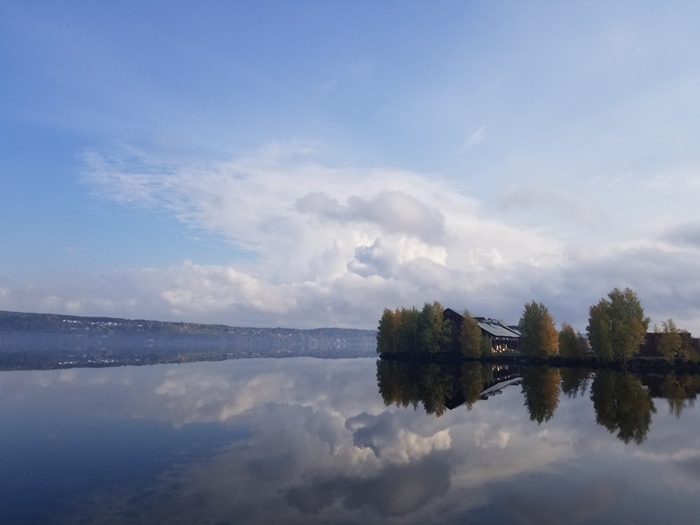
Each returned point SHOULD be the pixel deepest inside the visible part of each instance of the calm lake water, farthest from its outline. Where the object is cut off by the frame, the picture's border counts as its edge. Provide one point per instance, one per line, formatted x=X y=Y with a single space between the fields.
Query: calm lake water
x=313 y=441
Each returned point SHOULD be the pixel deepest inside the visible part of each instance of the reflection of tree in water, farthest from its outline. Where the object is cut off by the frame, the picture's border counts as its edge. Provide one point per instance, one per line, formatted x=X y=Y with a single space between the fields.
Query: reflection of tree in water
x=398 y=383
x=622 y=404
x=405 y=383
x=680 y=392
x=474 y=377
x=435 y=386
x=541 y=390
x=574 y=381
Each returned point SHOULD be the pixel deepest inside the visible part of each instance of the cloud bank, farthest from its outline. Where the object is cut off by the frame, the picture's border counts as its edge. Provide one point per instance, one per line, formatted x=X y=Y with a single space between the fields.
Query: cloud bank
x=317 y=245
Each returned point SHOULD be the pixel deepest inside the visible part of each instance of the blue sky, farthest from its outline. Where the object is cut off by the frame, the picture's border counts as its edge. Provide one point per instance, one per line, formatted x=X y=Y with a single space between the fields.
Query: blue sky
x=310 y=163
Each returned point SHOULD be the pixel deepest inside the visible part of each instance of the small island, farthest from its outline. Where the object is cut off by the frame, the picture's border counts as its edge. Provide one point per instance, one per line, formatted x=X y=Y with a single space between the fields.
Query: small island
x=617 y=336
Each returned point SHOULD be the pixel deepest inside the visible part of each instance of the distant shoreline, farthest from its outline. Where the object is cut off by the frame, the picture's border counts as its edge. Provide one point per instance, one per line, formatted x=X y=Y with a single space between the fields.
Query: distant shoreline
x=32 y=341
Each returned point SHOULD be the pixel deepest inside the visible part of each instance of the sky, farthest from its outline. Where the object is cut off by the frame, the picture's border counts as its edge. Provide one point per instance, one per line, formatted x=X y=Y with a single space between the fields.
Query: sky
x=307 y=164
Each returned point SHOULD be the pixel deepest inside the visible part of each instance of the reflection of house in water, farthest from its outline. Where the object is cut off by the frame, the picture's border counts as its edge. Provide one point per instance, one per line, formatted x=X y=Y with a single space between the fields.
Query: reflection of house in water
x=500 y=386
x=502 y=377
x=503 y=337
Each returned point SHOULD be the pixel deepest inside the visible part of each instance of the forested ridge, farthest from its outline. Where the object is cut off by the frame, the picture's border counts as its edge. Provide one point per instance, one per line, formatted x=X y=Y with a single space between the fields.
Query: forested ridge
x=33 y=340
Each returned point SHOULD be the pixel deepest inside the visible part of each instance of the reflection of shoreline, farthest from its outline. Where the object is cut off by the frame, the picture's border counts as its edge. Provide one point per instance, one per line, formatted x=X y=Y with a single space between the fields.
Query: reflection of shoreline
x=637 y=364
x=623 y=401
x=159 y=352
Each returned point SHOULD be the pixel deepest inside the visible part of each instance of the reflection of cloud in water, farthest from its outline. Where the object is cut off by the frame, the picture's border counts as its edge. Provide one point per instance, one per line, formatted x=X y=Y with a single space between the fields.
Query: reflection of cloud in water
x=324 y=448
x=487 y=436
x=394 y=491
x=393 y=443
x=543 y=507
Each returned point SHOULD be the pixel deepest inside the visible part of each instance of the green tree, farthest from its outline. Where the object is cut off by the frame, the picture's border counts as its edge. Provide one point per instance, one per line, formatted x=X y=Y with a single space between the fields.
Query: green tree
x=486 y=345
x=538 y=332
x=387 y=332
x=670 y=342
x=408 y=331
x=470 y=336
x=629 y=326
x=599 y=331
x=617 y=326
x=571 y=344
x=434 y=328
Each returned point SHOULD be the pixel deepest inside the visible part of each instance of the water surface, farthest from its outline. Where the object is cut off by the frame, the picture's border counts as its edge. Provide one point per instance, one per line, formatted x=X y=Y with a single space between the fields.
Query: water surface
x=314 y=441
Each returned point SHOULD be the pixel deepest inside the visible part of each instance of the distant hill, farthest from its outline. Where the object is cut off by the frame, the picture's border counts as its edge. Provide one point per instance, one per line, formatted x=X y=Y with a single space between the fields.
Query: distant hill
x=33 y=340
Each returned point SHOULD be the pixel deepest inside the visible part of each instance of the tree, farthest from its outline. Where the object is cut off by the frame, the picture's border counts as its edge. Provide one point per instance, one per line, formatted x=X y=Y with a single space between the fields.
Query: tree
x=386 y=332
x=537 y=330
x=486 y=345
x=434 y=328
x=408 y=339
x=617 y=325
x=670 y=342
x=399 y=331
x=571 y=344
x=470 y=336
x=629 y=326
x=599 y=331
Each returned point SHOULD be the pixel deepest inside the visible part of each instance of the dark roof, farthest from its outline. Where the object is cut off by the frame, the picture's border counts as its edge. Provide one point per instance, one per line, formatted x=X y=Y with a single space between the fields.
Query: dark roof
x=496 y=328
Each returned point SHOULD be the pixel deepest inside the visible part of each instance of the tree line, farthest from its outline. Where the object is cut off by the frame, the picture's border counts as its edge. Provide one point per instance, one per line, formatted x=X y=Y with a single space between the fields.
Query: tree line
x=413 y=331
x=617 y=328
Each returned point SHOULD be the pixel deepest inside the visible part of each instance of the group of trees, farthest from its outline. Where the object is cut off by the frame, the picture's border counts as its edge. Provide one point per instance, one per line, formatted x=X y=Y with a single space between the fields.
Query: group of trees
x=617 y=328
x=410 y=331
x=539 y=336
x=426 y=331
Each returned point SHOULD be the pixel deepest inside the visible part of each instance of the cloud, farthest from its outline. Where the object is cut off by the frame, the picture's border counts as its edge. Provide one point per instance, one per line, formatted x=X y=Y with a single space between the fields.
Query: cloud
x=324 y=242
x=325 y=246
x=393 y=211
x=685 y=235
x=476 y=138
x=553 y=201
